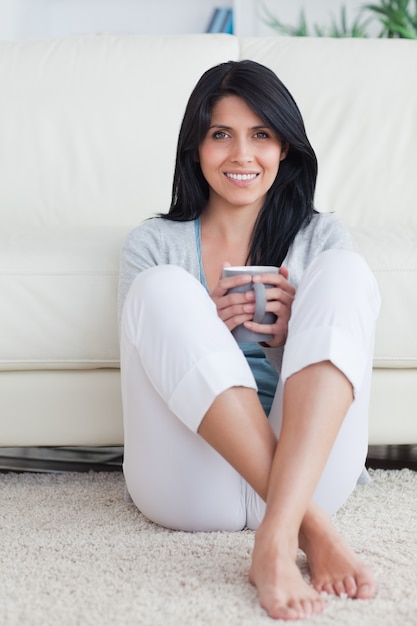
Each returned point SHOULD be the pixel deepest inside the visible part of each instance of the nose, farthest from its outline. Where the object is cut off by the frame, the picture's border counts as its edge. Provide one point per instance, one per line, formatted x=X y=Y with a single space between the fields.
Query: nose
x=241 y=152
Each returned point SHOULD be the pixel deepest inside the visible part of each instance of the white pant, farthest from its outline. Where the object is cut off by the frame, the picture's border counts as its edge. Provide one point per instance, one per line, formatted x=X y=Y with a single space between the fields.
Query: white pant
x=177 y=356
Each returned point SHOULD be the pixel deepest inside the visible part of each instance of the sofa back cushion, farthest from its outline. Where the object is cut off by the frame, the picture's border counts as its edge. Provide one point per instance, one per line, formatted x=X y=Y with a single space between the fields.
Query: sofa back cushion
x=89 y=125
x=358 y=98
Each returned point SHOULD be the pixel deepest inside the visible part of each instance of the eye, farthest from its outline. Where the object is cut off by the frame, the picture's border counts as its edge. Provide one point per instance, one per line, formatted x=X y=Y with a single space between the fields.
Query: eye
x=261 y=134
x=220 y=134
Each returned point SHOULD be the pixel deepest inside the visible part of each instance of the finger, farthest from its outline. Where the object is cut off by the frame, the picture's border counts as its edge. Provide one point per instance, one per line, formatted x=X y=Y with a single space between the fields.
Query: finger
x=284 y=272
x=277 y=280
x=247 y=309
x=279 y=330
x=280 y=296
x=266 y=329
x=230 y=282
x=237 y=320
x=234 y=300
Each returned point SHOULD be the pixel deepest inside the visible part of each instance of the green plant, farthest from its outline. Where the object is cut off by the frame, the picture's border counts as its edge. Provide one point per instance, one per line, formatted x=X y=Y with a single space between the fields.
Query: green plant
x=285 y=29
x=341 y=29
x=397 y=17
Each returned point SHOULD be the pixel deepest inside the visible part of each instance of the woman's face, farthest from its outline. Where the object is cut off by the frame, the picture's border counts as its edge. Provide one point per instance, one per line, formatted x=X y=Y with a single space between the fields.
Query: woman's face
x=239 y=156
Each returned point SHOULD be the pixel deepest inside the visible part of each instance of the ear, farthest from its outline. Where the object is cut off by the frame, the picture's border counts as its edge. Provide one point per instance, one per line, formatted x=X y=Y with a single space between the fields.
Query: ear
x=285 y=148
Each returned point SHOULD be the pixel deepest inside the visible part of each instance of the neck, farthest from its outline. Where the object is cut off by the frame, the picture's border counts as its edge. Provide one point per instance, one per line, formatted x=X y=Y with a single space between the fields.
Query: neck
x=230 y=226
x=224 y=238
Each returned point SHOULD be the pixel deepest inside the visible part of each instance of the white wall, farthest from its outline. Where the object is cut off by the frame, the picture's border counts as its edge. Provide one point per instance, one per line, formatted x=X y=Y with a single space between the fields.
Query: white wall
x=11 y=18
x=22 y=19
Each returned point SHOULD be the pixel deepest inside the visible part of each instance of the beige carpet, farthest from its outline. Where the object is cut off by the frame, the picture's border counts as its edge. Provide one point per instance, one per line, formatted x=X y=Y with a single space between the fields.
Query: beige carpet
x=73 y=552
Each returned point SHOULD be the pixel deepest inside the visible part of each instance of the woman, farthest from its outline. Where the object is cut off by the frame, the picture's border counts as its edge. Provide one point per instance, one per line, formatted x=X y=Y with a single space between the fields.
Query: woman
x=221 y=436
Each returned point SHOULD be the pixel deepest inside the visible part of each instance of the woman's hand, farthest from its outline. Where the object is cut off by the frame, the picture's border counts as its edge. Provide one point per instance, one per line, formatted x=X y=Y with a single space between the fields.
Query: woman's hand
x=279 y=301
x=238 y=308
x=234 y=308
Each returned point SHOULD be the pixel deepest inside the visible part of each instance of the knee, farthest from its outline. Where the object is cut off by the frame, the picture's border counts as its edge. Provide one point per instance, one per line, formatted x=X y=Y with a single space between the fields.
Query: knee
x=160 y=293
x=160 y=285
x=157 y=279
x=340 y=264
x=345 y=272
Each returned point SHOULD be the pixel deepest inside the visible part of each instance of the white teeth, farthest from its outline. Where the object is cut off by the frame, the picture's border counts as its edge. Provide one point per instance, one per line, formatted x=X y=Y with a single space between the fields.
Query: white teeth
x=241 y=176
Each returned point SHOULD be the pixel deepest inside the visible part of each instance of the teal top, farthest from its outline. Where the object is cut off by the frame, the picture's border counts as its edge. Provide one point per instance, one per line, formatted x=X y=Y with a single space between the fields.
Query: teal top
x=265 y=375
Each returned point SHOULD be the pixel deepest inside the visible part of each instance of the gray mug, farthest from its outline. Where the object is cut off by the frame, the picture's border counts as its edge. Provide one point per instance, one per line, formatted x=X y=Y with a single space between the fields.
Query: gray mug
x=240 y=333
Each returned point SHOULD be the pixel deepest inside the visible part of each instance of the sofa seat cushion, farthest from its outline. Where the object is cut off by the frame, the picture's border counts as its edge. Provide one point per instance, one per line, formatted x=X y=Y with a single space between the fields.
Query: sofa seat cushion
x=59 y=297
x=392 y=255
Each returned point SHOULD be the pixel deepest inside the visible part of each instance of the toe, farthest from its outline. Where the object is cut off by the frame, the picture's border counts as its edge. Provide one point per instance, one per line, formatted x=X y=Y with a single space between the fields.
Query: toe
x=284 y=612
x=351 y=587
x=328 y=588
x=339 y=587
x=312 y=607
x=365 y=584
x=306 y=608
x=365 y=590
x=318 y=605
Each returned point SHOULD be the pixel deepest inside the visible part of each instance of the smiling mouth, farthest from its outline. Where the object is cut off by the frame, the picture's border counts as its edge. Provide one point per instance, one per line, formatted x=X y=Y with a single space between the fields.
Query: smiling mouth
x=241 y=176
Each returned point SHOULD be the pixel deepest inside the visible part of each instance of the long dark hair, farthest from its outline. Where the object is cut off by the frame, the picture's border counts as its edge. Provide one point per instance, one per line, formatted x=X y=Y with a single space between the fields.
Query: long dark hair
x=289 y=203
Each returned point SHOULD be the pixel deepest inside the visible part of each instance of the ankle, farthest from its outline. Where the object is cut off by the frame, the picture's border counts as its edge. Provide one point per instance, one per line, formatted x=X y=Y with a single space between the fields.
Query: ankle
x=276 y=538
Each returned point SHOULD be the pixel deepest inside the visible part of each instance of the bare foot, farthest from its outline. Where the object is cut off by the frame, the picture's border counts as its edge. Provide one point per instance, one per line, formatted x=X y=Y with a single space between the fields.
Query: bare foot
x=334 y=566
x=282 y=590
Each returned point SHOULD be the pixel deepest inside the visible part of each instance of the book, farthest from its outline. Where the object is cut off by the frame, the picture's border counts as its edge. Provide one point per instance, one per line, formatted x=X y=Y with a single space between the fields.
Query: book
x=221 y=21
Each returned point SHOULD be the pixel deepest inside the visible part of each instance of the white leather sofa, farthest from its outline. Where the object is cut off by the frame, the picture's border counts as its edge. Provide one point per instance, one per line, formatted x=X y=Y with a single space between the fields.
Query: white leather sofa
x=88 y=129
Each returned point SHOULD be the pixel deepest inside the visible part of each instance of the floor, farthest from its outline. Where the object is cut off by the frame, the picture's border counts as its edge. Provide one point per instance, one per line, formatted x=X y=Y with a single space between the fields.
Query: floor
x=111 y=458
x=61 y=459
x=392 y=457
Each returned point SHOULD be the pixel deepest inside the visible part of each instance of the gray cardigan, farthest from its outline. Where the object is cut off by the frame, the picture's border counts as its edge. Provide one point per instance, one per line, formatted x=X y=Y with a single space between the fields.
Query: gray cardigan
x=158 y=241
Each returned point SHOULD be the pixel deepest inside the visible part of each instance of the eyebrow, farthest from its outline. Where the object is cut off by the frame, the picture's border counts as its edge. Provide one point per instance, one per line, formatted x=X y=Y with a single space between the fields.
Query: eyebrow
x=257 y=127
